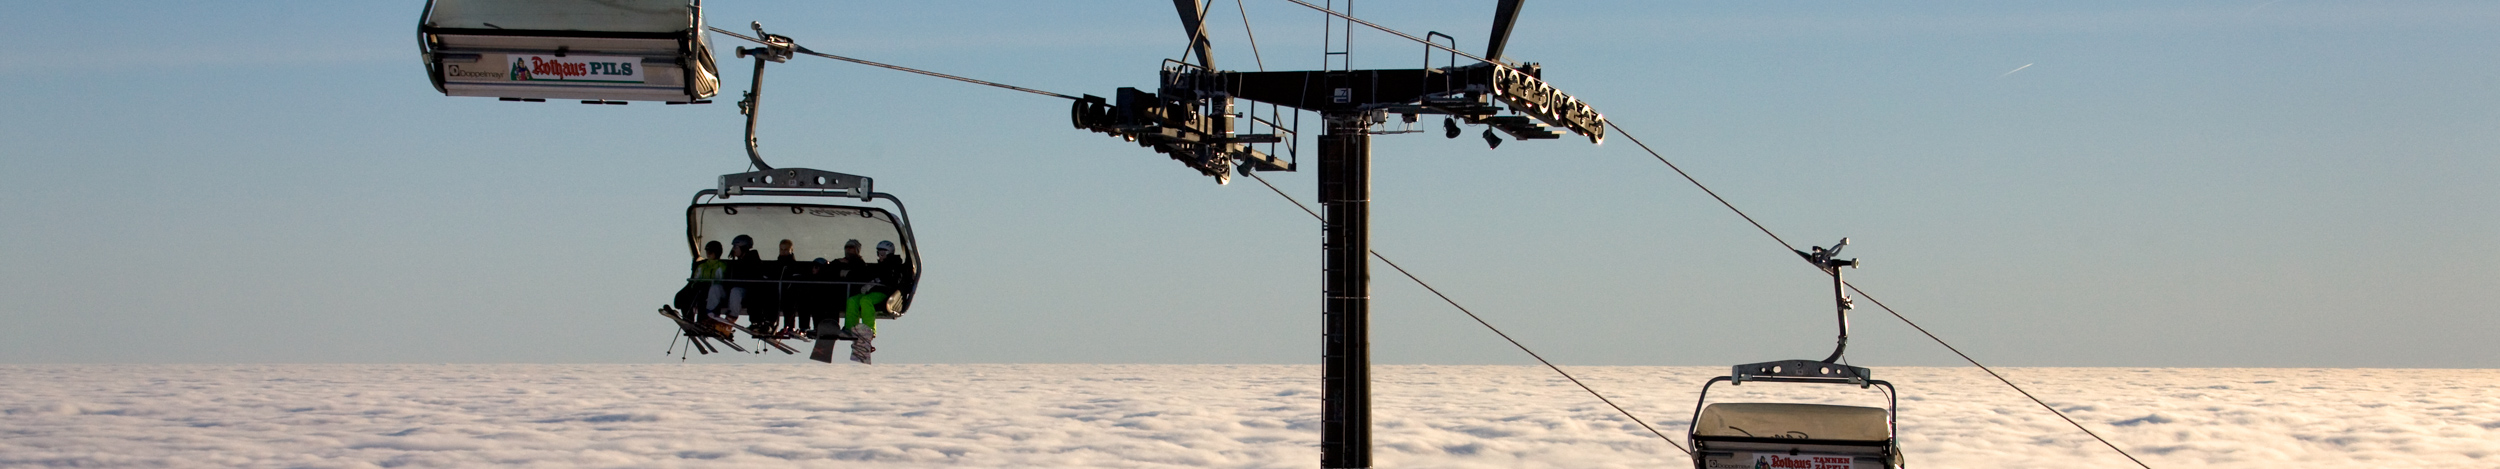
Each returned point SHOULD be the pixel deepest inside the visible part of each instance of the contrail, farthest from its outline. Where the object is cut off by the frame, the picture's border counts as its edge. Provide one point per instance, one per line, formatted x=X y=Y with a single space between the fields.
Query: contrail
x=2016 y=69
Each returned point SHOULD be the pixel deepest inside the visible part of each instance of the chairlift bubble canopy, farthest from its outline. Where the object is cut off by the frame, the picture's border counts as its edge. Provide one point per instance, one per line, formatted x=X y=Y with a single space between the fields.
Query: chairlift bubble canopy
x=815 y=229
x=592 y=50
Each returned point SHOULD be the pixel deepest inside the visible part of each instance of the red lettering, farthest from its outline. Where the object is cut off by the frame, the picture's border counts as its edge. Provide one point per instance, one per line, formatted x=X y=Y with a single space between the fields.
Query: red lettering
x=558 y=68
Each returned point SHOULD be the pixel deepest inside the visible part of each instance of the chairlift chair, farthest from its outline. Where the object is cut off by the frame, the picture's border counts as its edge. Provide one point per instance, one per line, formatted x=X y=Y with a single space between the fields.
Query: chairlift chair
x=815 y=229
x=1795 y=435
x=1800 y=435
x=598 y=51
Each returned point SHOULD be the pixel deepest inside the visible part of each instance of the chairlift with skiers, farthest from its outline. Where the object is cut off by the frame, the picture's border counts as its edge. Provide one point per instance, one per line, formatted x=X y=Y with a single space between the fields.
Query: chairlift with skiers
x=798 y=261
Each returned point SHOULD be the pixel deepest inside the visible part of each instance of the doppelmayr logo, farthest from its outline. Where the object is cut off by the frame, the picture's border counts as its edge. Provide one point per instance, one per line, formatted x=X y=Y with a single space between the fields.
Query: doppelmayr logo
x=575 y=68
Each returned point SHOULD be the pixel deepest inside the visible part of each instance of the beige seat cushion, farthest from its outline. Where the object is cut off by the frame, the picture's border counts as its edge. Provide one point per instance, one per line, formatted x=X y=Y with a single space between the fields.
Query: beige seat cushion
x=1813 y=421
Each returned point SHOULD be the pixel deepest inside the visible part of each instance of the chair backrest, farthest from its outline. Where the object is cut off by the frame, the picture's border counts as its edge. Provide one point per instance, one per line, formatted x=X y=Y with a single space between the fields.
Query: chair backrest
x=1797 y=421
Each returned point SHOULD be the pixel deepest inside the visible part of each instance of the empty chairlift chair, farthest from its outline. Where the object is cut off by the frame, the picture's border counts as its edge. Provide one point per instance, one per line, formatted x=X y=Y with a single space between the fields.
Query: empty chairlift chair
x=598 y=51
x=1781 y=435
x=1795 y=435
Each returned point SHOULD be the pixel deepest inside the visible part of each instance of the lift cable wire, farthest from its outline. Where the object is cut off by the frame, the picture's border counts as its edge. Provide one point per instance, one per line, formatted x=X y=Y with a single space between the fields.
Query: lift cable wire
x=1297 y=203
x=1714 y=195
x=1757 y=225
x=1627 y=135
x=1351 y=18
x=804 y=50
x=2000 y=378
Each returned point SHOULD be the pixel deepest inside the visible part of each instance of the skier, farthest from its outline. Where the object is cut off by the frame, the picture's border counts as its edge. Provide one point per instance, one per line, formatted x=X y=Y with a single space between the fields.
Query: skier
x=702 y=292
x=860 y=312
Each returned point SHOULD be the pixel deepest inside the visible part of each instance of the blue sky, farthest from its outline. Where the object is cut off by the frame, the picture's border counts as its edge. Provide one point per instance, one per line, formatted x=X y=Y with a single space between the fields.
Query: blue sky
x=2280 y=184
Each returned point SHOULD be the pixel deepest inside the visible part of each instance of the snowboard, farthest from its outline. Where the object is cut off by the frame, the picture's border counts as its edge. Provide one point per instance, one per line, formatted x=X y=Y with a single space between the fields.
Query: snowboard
x=824 y=347
x=862 y=346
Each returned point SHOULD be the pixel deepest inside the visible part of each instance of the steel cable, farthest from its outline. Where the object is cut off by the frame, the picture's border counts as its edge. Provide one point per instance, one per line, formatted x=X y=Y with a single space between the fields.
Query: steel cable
x=1297 y=203
x=2000 y=378
x=1350 y=18
x=804 y=50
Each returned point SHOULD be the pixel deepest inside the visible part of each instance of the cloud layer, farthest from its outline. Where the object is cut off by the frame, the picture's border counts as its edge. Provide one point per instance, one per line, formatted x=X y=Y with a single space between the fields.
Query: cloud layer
x=1179 y=416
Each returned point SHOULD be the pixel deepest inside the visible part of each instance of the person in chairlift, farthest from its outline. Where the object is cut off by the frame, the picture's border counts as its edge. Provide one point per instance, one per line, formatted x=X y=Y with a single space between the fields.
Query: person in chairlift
x=884 y=279
x=889 y=269
x=806 y=300
x=860 y=313
x=850 y=268
x=742 y=266
x=774 y=315
x=708 y=272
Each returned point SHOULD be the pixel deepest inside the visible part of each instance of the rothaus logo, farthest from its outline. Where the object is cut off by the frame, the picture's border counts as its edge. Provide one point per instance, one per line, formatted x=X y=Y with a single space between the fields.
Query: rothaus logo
x=576 y=68
x=1807 y=461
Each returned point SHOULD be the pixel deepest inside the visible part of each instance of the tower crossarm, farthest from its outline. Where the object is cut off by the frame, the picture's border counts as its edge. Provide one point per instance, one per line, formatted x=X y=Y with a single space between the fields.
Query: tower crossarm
x=1189 y=115
x=1460 y=91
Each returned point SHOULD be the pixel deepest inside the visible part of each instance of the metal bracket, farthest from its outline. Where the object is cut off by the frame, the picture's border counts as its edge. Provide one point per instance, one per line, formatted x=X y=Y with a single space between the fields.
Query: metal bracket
x=1799 y=371
x=797 y=182
x=777 y=48
x=1828 y=260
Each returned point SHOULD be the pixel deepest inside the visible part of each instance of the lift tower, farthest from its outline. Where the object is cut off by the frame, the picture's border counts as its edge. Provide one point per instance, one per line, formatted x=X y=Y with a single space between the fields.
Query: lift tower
x=1191 y=118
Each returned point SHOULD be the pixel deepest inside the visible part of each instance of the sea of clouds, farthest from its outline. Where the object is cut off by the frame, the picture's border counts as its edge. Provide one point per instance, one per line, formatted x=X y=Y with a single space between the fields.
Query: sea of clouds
x=895 y=416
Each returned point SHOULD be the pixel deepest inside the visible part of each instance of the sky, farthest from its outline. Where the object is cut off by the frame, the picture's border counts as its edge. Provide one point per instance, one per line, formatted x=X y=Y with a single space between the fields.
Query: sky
x=2164 y=184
